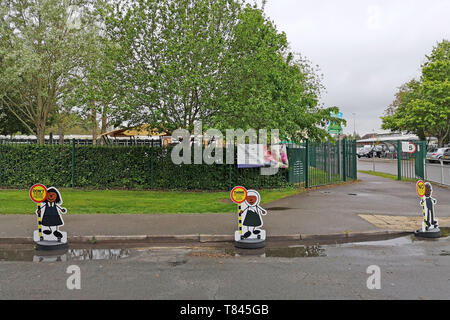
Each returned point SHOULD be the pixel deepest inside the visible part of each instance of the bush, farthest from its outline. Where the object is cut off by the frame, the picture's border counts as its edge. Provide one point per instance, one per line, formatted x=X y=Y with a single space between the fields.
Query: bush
x=131 y=167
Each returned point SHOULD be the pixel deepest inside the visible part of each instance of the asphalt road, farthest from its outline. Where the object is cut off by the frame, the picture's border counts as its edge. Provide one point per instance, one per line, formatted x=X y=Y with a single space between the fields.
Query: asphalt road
x=409 y=270
x=434 y=172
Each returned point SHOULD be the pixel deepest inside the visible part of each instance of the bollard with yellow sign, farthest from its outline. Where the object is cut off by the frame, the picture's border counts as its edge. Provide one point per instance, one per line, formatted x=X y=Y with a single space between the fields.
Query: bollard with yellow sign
x=249 y=218
x=49 y=216
x=38 y=194
x=430 y=226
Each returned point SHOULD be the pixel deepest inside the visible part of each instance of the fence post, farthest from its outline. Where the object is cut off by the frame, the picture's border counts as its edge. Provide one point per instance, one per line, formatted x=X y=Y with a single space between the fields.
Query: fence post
x=307 y=164
x=1 y=166
x=338 y=144
x=344 y=159
x=151 y=171
x=229 y=176
x=355 y=164
x=399 y=160
x=73 y=163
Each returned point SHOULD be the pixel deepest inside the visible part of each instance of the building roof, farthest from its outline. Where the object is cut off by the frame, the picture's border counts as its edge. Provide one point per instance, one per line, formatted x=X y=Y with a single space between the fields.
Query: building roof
x=386 y=138
x=142 y=130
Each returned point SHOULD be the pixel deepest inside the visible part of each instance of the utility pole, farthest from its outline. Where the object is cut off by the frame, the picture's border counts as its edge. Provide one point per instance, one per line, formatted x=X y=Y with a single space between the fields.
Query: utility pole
x=354 y=125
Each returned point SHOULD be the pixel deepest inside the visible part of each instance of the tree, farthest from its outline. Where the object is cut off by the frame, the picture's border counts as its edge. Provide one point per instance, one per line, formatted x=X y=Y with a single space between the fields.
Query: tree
x=221 y=62
x=171 y=57
x=41 y=48
x=268 y=86
x=423 y=107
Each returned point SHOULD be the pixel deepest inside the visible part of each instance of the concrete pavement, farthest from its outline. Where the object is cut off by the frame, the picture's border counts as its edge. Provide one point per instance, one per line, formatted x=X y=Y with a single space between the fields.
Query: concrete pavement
x=329 y=210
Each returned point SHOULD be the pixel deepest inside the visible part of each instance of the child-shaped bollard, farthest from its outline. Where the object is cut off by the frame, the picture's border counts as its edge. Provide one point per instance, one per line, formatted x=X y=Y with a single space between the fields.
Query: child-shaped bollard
x=49 y=212
x=250 y=235
x=430 y=226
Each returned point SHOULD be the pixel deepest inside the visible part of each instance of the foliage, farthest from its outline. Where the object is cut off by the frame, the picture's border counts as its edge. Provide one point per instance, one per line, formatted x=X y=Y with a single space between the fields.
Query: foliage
x=9 y=124
x=423 y=107
x=221 y=62
x=137 y=167
x=41 y=49
x=267 y=86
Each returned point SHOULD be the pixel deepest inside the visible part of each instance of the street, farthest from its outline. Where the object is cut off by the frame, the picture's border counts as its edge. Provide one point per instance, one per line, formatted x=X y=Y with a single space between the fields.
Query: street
x=433 y=172
x=409 y=269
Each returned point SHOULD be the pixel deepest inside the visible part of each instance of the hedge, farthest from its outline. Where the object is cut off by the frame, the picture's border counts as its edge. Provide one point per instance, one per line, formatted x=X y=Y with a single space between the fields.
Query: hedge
x=130 y=167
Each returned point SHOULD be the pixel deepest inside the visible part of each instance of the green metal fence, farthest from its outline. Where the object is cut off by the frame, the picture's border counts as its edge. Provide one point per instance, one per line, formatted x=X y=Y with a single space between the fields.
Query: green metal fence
x=315 y=164
x=411 y=165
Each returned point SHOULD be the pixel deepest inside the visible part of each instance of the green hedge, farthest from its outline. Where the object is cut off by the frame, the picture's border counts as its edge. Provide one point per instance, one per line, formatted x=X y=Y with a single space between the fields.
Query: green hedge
x=131 y=167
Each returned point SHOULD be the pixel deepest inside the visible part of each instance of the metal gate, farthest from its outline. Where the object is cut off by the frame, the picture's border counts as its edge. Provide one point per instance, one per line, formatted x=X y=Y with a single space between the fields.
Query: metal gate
x=411 y=165
x=314 y=164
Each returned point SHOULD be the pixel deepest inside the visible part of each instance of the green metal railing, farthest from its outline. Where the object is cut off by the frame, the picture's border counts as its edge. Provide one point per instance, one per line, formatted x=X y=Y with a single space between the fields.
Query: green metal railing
x=315 y=164
x=411 y=165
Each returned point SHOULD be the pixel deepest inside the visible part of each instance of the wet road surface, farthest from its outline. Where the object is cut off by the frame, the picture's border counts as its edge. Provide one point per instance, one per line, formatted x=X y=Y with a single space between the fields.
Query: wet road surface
x=410 y=269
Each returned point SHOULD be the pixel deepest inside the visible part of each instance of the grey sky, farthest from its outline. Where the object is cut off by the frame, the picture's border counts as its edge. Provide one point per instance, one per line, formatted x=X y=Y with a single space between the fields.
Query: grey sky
x=365 y=49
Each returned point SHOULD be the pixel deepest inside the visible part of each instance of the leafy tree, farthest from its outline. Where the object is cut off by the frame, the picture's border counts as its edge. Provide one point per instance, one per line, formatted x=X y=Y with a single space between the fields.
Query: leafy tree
x=221 y=62
x=423 y=107
x=171 y=54
x=42 y=48
x=267 y=86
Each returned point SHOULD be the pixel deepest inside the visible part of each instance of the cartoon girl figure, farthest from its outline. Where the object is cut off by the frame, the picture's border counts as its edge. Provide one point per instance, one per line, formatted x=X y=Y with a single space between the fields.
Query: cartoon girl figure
x=52 y=213
x=253 y=214
x=428 y=204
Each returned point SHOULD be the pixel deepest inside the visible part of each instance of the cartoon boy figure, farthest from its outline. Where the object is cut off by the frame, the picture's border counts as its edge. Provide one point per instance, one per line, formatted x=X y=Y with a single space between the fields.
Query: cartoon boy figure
x=428 y=203
x=52 y=213
x=253 y=215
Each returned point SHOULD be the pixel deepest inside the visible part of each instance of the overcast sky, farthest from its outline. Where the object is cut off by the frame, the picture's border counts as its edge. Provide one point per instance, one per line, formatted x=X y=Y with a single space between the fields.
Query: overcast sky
x=364 y=48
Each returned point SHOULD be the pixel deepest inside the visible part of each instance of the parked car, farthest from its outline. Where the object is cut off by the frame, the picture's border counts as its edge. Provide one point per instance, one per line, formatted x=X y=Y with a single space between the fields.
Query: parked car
x=436 y=155
x=446 y=157
x=366 y=151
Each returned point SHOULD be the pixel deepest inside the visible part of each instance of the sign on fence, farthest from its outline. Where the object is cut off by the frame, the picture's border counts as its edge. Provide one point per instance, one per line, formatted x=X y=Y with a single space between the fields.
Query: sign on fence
x=408 y=147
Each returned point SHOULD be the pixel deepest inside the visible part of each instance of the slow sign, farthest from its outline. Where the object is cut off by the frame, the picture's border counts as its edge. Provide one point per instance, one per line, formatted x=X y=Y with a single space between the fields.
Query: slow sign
x=238 y=194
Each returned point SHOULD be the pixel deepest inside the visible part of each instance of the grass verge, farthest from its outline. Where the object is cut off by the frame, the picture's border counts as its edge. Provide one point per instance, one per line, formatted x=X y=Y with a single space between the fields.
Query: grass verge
x=386 y=175
x=129 y=202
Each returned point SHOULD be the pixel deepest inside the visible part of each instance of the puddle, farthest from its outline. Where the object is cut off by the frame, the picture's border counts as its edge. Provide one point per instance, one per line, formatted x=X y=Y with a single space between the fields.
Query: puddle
x=388 y=243
x=444 y=253
x=288 y=252
x=62 y=255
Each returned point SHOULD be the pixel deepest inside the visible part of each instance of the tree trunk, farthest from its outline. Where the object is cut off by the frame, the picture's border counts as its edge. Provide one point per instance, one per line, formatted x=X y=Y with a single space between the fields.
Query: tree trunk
x=441 y=141
x=40 y=133
x=94 y=124
x=104 y=122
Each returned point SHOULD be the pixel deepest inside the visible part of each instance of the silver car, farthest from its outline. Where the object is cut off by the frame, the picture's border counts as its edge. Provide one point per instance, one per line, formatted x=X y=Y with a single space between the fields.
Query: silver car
x=436 y=155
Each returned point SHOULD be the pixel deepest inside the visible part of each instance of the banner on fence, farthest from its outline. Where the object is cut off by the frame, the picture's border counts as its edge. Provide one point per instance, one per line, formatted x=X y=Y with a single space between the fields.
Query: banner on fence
x=259 y=155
